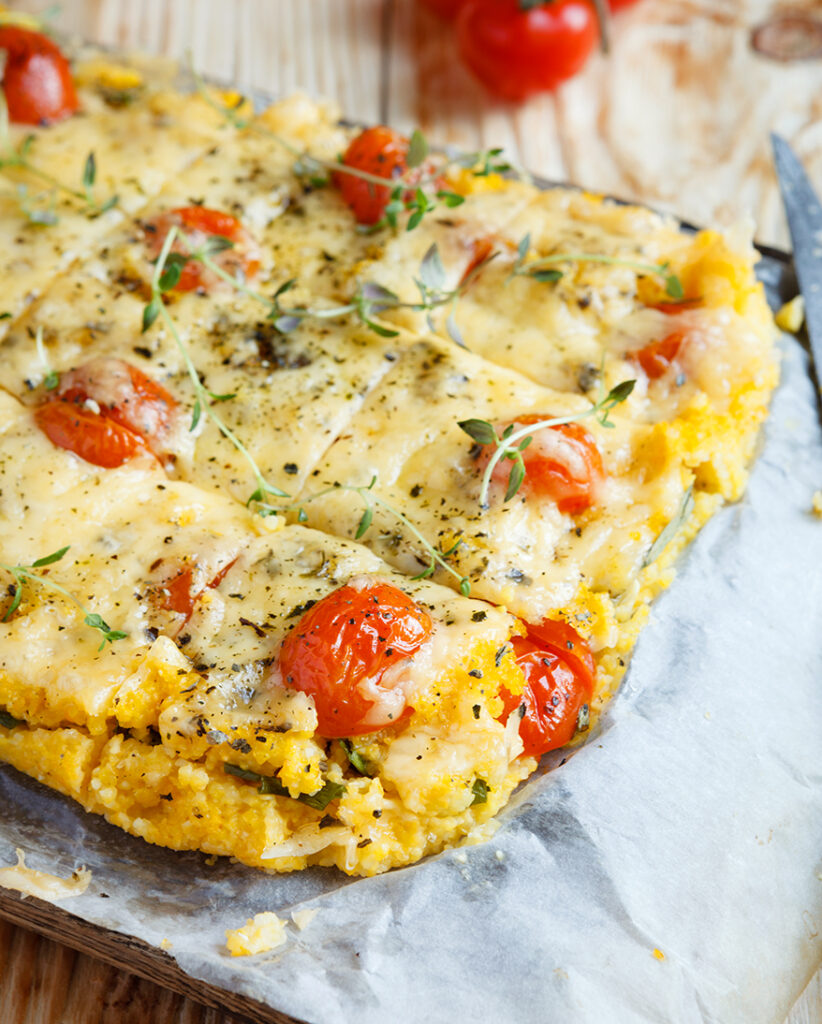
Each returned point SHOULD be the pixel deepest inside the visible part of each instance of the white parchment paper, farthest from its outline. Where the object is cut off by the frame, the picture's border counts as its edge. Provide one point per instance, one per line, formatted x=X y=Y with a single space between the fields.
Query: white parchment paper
x=691 y=825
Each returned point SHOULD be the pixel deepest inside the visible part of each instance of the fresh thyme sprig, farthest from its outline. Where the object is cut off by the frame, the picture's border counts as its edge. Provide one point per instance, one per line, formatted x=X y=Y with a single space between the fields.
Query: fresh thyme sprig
x=167 y=271
x=370 y=300
x=542 y=269
x=24 y=573
x=512 y=443
x=11 y=157
x=372 y=499
x=410 y=193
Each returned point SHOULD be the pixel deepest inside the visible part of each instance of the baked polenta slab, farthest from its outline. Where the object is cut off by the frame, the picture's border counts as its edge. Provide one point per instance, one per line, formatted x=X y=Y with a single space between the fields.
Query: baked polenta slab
x=336 y=478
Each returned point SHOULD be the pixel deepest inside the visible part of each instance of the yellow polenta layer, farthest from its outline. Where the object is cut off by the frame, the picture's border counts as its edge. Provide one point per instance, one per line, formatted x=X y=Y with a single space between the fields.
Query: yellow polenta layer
x=422 y=804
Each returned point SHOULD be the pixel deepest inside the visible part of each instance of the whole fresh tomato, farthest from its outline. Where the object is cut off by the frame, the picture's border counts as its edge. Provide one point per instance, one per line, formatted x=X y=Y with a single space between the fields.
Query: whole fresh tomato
x=37 y=78
x=447 y=9
x=520 y=47
x=559 y=679
x=343 y=649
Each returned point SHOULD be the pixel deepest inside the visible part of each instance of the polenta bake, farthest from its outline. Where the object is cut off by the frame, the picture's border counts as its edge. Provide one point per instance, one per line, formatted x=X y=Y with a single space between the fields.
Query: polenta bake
x=336 y=477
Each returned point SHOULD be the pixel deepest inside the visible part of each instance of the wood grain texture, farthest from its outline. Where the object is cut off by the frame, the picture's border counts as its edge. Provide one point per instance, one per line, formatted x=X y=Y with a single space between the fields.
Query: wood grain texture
x=677 y=117
x=43 y=979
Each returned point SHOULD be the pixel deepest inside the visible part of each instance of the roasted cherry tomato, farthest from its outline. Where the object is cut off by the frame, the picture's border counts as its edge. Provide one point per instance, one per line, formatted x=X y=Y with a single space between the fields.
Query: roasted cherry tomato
x=197 y=223
x=447 y=9
x=379 y=151
x=559 y=679
x=108 y=411
x=37 y=78
x=342 y=652
x=657 y=357
x=562 y=463
x=481 y=249
x=517 y=48
x=94 y=438
x=178 y=595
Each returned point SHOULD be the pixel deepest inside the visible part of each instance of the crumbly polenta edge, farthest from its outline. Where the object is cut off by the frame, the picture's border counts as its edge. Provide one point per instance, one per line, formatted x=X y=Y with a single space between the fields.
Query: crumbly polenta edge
x=181 y=797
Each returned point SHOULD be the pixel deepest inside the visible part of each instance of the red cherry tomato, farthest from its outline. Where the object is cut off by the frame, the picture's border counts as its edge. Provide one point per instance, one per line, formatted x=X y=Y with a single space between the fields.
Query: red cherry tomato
x=447 y=9
x=341 y=653
x=618 y=5
x=562 y=463
x=516 y=52
x=178 y=595
x=37 y=79
x=557 y=636
x=197 y=223
x=657 y=357
x=481 y=249
x=558 y=681
x=94 y=438
x=108 y=411
x=379 y=151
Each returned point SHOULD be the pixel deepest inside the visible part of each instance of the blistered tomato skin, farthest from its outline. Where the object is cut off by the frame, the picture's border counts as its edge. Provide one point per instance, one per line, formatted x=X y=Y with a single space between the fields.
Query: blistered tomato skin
x=197 y=223
x=108 y=411
x=341 y=649
x=92 y=437
x=559 y=679
x=37 y=78
x=379 y=151
x=562 y=464
x=178 y=591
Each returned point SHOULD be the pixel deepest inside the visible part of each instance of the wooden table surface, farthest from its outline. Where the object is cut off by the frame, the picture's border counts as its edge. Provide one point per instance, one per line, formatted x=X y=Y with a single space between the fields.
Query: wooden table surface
x=678 y=117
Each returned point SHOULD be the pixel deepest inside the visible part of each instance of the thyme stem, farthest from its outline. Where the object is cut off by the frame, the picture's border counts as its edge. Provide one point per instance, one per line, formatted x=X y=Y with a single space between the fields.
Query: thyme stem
x=203 y=400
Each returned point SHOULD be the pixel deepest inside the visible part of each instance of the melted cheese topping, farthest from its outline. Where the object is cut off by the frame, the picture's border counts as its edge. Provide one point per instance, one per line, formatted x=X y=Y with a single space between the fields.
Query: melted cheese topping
x=184 y=732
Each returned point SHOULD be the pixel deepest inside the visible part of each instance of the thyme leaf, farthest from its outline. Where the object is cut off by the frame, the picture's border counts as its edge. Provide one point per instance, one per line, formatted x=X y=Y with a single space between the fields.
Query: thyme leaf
x=164 y=280
x=541 y=269
x=24 y=573
x=512 y=443
x=480 y=791
x=19 y=158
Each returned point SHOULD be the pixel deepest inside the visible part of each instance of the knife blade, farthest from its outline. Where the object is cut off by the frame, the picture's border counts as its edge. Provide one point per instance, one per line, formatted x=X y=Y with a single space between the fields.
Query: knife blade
x=804 y=213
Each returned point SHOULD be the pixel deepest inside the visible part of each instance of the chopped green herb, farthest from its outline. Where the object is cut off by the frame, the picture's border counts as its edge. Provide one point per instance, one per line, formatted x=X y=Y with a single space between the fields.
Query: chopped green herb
x=269 y=786
x=480 y=791
x=9 y=721
x=358 y=762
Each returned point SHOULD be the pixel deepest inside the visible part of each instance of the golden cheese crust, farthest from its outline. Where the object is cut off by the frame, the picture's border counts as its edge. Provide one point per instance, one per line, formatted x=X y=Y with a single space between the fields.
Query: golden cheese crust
x=179 y=726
